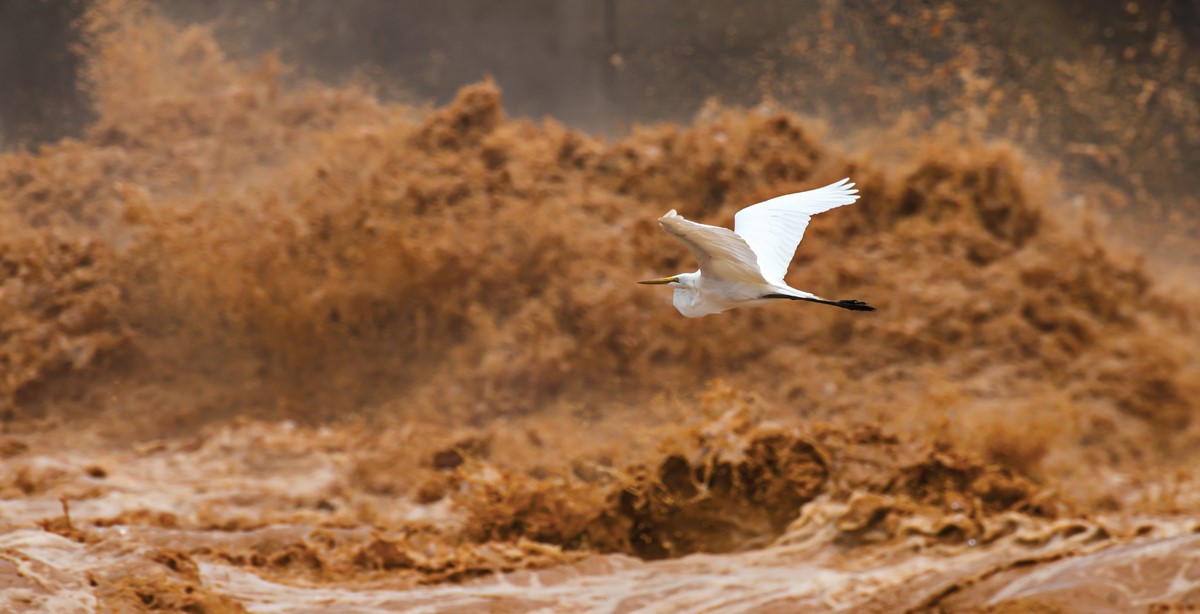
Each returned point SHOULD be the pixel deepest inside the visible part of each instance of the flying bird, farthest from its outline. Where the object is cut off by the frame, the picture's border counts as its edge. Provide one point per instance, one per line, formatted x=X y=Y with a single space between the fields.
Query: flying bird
x=745 y=266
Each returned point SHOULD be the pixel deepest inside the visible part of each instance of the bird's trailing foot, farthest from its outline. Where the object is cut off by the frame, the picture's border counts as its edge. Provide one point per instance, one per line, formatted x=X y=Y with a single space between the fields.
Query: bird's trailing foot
x=850 y=304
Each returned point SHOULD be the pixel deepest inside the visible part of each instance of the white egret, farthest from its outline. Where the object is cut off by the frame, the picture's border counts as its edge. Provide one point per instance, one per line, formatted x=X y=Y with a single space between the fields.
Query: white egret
x=745 y=266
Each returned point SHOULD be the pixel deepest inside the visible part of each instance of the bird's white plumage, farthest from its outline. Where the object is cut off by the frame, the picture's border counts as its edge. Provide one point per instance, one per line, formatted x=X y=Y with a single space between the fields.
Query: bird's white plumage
x=773 y=228
x=745 y=266
x=722 y=254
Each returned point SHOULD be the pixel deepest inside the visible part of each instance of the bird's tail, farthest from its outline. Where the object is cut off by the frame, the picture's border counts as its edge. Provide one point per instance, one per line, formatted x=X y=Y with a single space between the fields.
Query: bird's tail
x=850 y=304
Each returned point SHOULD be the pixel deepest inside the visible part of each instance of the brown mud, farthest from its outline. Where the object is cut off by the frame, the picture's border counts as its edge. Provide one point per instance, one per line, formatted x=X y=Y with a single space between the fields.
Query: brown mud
x=278 y=346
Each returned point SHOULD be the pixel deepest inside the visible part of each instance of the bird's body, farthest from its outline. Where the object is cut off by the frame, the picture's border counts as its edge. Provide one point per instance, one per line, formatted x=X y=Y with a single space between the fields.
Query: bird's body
x=745 y=266
x=697 y=296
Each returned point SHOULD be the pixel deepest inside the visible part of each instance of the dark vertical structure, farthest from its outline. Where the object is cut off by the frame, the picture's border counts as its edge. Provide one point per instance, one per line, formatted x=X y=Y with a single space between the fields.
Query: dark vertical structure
x=594 y=64
x=39 y=99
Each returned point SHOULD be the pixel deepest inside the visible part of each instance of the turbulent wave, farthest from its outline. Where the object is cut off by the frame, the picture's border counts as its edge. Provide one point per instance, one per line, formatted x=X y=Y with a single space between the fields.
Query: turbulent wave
x=442 y=304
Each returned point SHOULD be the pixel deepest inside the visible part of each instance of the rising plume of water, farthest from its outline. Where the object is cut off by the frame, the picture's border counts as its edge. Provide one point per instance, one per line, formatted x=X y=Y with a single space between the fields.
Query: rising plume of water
x=223 y=244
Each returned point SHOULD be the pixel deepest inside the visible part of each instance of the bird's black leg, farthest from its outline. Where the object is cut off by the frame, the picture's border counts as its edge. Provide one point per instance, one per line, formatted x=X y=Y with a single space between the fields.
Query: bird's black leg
x=850 y=304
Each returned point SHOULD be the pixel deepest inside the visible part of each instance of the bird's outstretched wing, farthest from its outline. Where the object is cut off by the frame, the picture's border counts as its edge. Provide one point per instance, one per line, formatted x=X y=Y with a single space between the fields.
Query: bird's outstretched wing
x=774 y=228
x=721 y=253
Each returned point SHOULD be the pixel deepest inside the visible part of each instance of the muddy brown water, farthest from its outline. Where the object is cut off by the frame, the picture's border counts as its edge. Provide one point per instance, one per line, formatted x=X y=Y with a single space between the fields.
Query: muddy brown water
x=275 y=347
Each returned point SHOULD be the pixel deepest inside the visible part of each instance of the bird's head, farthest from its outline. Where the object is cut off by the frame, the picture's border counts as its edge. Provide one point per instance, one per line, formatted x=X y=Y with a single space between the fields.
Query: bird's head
x=665 y=281
x=686 y=280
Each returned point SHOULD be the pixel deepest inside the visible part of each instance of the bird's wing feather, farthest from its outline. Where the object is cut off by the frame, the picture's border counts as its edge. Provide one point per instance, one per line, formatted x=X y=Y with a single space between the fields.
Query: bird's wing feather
x=774 y=228
x=722 y=253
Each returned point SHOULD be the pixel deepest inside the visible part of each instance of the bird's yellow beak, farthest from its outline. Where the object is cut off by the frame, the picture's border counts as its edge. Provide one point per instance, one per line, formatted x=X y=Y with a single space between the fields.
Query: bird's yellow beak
x=665 y=280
